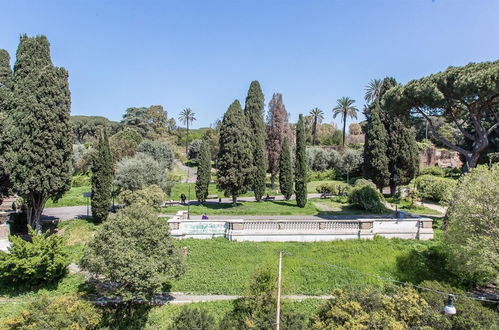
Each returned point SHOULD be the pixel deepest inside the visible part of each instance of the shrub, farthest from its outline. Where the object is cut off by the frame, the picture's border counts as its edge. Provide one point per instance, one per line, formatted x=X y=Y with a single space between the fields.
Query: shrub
x=194 y=151
x=81 y=180
x=41 y=260
x=193 y=318
x=150 y=196
x=64 y=312
x=365 y=182
x=432 y=170
x=434 y=188
x=326 y=188
x=321 y=175
x=367 y=198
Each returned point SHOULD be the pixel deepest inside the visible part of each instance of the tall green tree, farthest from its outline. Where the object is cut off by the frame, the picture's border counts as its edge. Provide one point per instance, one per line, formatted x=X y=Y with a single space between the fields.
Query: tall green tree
x=235 y=157
x=345 y=107
x=39 y=156
x=186 y=117
x=285 y=171
x=5 y=93
x=102 y=179
x=402 y=152
x=204 y=172
x=316 y=115
x=375 y=151
x=464 y=96
x=254 y=112
x=300 y=164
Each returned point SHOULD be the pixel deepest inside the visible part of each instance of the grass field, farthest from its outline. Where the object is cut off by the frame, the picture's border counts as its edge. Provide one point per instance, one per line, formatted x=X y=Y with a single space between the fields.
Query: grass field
x=73 y=197
x=404 y=205
x=313 y=207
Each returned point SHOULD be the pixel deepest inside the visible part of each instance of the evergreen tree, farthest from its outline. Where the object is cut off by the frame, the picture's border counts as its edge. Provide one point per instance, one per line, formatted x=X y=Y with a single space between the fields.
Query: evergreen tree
x=277 y=130
x=402 y=152
x=5 y=91
x=235 y=157
x=285 y=171
x=300 y=164
x=254 y=112
x=102 y=178
x=204 y=172
x=375 y=150
x=38 y=127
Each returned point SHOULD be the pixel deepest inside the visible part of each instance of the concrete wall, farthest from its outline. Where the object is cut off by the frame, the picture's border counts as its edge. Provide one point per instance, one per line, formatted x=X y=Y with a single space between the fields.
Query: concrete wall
x=302 y=230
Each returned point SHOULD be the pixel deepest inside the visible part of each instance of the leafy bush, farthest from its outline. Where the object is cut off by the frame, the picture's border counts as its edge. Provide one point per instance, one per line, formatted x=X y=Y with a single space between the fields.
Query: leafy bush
x=393 y=308
x=434 y=188
x=81 y=180
x=193 y=318
x=364 y=182
x=367 y=198
x=64 y=312
x=432 y=170
x=326 y=188
x=471 y=314
x=321 y=175
x=194 y=151
x=150 y=196
x=41 y=260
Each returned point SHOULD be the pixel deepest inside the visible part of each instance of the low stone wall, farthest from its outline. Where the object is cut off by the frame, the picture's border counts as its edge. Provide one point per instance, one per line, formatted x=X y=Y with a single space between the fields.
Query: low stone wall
x=301 y=230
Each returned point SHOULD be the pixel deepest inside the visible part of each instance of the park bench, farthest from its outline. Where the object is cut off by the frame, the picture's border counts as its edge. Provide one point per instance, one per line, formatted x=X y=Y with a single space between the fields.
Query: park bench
x=269 y=198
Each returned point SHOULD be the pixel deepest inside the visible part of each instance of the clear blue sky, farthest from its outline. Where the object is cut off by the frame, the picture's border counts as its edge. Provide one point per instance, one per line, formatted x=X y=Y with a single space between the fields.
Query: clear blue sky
x=204 y=54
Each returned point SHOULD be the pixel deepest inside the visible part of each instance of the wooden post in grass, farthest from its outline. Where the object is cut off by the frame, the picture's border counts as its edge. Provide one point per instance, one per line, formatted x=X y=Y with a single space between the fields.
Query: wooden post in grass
x=279 y=281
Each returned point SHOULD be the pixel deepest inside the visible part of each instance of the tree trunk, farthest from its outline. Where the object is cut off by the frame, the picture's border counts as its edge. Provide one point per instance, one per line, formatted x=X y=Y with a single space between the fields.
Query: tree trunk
x=344 y=128
x=393 y=188
x=34 y=212
x=272 y=180
x=234 y=200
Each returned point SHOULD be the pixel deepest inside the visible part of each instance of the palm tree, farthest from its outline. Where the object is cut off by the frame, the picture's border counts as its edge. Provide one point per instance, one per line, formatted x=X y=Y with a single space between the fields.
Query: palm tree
x=373 y=90
x=187 y=116
x=345 y=107
x=317 y=116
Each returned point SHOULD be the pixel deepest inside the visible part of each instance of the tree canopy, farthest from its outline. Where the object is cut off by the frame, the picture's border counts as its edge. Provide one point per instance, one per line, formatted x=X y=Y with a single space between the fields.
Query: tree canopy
x=466 y=96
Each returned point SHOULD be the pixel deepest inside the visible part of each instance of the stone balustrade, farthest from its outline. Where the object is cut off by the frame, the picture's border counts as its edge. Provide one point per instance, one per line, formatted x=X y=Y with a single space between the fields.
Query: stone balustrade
x=301 y=230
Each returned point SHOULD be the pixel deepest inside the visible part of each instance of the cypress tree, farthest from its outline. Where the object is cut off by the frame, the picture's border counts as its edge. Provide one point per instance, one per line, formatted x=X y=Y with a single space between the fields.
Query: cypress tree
x=235 y=157
x=5 y=91
x=38 y=128
x=102 y=176
x=204 y=172
x=300 y=164
x=375 y=150
x=285 y=171
x=254 y=112
x=402 y=152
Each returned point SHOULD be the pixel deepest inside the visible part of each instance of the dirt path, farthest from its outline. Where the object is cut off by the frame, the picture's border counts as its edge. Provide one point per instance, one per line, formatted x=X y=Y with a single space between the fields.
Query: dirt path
x=190 y=172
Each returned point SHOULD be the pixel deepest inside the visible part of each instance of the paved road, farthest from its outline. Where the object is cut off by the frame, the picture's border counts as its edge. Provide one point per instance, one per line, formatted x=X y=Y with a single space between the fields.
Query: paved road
x=72 y=212
x=190 y=172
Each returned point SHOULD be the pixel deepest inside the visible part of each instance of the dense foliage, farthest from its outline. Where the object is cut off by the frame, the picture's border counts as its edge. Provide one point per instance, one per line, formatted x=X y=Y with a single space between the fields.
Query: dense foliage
x=38 y=128
x=134 y=251
x=149 y=196
x=253 y=110
x=124 y=143
x=367 y=198
x=375 y=150
x=203 y=177
x=102 y=179
x=194 y=151
x=300 y=164
x=285 y=171
x=473 y=230
x=434 y=188
x=193 y=318
x=43 y=259
x=64 y=312
x=5 y=94
x=158 y=151
x=235 y=158
x=142 y=170
x=465 y=96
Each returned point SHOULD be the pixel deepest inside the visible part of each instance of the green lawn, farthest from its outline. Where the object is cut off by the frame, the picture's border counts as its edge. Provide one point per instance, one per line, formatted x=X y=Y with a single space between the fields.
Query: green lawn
x=73 y=197
x=404 y=205
x=313 y=207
